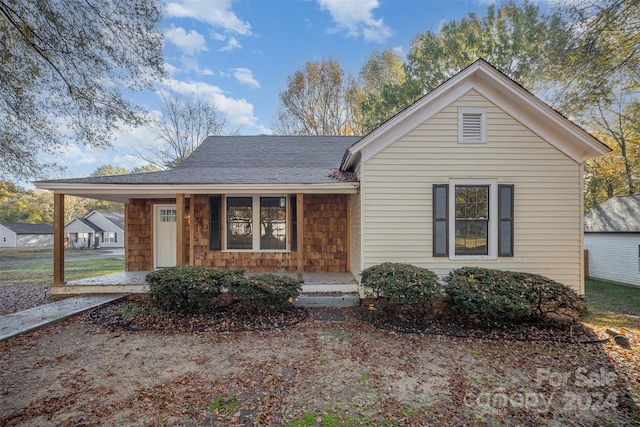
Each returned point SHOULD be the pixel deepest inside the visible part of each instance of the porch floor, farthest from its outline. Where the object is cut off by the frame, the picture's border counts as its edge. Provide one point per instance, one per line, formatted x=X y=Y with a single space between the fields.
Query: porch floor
x=133 y=282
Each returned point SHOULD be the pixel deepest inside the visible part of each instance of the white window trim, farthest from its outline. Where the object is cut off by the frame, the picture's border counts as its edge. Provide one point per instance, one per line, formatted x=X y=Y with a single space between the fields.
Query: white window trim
x=255 y=242
x=493 y=218
x=483 y=124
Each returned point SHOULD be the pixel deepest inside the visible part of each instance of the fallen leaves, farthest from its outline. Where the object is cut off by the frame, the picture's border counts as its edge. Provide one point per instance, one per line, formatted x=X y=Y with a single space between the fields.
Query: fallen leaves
x=171 y=371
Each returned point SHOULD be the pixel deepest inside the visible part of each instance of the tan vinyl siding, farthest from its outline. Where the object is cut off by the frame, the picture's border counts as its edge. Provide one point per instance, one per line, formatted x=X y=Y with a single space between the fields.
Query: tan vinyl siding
x=397 y=194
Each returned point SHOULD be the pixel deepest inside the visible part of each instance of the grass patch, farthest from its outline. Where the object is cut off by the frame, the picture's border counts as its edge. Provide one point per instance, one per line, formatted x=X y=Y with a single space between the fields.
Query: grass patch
x=611 y=297
x=609 y=319
x=44 y=252
x=334 y=420
x=42 y=272
x=612 y=305
x=227 y=406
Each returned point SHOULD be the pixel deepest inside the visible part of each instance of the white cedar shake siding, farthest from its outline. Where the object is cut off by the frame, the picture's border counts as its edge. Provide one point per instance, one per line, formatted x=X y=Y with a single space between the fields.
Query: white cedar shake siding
x=614 y=257
x=396 y=194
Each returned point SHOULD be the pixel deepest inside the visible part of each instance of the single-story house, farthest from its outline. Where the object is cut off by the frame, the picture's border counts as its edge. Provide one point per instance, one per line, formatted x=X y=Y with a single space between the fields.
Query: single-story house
x=15 y=235
x=612 y=237
x=97 y=229
x=479 y=172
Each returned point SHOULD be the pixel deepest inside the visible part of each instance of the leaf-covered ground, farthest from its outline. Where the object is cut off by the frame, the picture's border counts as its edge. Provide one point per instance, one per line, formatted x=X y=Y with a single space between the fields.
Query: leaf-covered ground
x=89 y=371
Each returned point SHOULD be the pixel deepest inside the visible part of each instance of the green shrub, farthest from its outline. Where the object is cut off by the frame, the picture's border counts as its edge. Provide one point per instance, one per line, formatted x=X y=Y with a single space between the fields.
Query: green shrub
x=185 y=289
x=401 y=283
x=485 y=295
x=265 y=292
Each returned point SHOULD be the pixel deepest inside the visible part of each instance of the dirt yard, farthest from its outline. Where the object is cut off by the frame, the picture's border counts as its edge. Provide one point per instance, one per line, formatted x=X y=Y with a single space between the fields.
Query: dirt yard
x=77 y=373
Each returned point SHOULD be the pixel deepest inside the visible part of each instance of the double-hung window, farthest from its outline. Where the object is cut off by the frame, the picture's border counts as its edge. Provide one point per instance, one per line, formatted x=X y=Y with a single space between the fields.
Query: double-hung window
x=273 y=223
x=240 y=222
x=473 y=218
x=109 y=237
x=256 y=223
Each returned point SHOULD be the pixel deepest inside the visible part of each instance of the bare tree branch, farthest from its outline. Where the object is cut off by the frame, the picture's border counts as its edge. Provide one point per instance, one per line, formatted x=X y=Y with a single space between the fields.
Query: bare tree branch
x=184 y=124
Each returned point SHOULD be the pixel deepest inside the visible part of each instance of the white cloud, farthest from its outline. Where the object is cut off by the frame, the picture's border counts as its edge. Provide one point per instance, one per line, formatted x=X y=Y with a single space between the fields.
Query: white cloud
x=73 y=155
x=190 y=43
x=239 y=111
x=128 y=161
x=399 y=50
x=356 y=18
x=217 y=13
x=170 y=68
x=233 y=44
x=134 y=137
x=245 y=76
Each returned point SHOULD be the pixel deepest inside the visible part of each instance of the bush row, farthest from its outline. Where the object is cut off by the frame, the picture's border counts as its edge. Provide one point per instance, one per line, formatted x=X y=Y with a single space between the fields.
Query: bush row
x=478 y=295
x=190 y=289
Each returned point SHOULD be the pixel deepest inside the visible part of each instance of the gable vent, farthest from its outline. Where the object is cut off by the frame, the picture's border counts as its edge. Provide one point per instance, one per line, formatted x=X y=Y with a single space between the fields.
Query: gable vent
x=471 y=125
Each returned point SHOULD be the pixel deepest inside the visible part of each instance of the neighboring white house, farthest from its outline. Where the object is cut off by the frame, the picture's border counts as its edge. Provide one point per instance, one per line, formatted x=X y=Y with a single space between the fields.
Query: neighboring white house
x=612 y=236
x=18 y=235
x=97 y=229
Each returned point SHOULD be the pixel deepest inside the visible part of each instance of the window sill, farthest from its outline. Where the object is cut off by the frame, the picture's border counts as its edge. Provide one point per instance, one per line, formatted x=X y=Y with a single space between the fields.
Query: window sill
x=282 y=251
x=474 y=258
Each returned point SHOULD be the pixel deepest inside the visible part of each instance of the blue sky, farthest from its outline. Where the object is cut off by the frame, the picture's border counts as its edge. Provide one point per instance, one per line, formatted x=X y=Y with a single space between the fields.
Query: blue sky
x=240 y=53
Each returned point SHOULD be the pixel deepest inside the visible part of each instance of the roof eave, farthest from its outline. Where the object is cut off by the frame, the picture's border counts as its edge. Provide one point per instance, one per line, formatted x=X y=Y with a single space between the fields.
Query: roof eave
x=123 y=192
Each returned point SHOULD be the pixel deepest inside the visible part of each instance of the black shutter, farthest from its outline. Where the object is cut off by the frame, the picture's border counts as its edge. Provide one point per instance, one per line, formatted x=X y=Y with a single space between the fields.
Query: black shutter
x=505 y=220
x=215 y=214
x=440 y=220
x=294 y=223
x=115 y=237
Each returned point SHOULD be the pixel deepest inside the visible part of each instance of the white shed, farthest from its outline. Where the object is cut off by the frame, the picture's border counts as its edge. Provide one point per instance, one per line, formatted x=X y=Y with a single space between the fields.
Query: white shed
x=13 y=235
x=612 y=237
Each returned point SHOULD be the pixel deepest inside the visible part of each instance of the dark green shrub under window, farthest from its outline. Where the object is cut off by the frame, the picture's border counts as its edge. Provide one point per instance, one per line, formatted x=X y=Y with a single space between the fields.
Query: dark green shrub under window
x=185 y=289
x=485 y=295
x=265 y=292
x=401 y=283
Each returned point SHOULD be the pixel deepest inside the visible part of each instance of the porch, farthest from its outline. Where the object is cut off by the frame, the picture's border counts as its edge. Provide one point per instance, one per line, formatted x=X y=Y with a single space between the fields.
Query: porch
x=133 y=282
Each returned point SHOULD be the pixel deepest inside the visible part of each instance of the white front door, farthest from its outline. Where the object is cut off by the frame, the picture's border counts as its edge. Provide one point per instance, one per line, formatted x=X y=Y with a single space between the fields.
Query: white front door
x=164 y=235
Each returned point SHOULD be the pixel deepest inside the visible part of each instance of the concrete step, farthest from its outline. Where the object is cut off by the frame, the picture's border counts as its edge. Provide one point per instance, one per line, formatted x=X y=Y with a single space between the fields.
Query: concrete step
x=337 y=301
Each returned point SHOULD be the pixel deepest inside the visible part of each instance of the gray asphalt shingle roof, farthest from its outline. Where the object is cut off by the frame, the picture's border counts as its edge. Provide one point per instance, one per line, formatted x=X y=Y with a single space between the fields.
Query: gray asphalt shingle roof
x=21 y=228
x=116 y=218
x=89 y=224
x=617 y=215
x=261 y=159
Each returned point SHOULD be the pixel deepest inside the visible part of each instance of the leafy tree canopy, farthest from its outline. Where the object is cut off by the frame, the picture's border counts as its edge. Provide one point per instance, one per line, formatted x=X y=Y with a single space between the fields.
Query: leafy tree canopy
x=519 y=40
x=64 y=68
x=603 y=57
